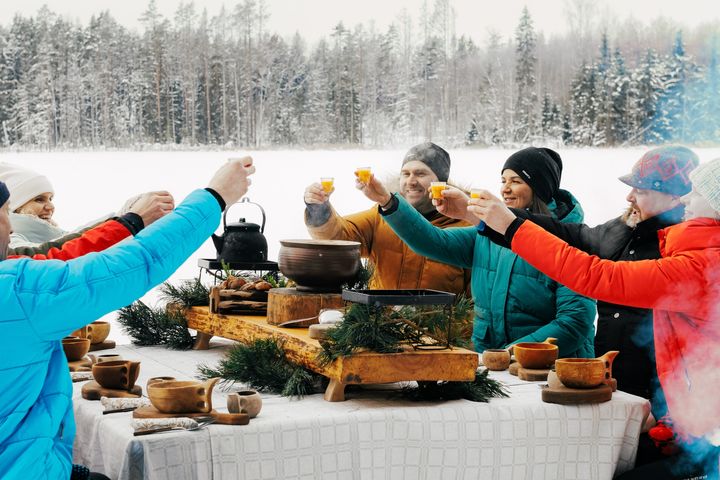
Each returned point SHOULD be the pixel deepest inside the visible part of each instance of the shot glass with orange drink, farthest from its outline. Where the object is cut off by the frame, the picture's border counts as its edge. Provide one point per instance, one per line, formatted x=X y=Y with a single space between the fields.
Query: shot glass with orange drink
x=436 y=188
x=327 y=183
x=363 y=174
x=475 y=193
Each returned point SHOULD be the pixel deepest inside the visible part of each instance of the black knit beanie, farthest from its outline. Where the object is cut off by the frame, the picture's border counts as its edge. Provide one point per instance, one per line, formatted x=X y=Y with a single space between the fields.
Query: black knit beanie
x=4 y=194
x=541 y=168
x=437 y=159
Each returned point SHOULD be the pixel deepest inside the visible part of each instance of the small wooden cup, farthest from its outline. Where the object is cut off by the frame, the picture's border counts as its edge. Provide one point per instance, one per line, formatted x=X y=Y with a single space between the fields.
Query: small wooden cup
x=246 y=401
x=496 y=359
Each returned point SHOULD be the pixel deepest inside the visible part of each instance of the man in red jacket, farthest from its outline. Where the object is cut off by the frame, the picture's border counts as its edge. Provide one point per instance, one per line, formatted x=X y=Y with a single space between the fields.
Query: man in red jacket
x=682 y=288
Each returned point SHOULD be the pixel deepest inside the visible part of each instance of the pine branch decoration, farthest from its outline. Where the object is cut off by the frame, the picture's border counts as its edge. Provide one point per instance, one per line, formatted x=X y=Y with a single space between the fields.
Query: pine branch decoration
x=482 y=389
x=148 y=326
x=190 y=293
x=264 y=366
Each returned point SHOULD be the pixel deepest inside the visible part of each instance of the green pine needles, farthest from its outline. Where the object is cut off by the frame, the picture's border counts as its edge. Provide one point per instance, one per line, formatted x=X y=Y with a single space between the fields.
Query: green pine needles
x=482 y=389
x=151 y=326
x=190 y=293
x=264 y=366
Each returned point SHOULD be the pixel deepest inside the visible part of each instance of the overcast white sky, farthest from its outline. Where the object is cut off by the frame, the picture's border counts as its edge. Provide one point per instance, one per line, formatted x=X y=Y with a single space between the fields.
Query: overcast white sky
x=315 y=18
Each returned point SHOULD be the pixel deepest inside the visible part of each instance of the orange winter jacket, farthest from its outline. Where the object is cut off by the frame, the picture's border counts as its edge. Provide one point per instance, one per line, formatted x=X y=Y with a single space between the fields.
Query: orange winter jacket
x=95 y=239
x=396 y=266
x=682 y=288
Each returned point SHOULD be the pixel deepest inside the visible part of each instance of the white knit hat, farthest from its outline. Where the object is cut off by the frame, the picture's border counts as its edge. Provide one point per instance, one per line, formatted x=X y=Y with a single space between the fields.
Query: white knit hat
x=706 y=181
x=24 y=184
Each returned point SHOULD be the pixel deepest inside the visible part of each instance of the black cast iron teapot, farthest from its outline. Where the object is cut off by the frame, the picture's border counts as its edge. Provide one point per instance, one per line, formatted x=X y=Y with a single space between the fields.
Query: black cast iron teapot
x=242 y=241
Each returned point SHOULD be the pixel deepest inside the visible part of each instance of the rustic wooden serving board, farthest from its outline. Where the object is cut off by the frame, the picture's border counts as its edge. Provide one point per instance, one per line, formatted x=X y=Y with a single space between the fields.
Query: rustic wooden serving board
x=106 y=345
x=532 y=374
x=93 y=391
x=574 y=396
x=455 y=364
x=82 y=365
x=221 y=418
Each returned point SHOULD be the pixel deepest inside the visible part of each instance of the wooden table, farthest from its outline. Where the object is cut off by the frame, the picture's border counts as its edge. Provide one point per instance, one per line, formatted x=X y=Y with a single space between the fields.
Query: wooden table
x=455 y=364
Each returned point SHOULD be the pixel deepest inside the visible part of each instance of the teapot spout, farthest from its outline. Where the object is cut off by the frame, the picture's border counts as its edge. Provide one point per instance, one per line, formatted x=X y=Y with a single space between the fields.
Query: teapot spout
x=218 y=241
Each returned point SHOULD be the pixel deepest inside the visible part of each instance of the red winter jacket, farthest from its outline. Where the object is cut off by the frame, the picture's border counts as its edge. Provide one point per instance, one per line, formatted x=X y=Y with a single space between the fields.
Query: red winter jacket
x=682 y=288
x=96 y=239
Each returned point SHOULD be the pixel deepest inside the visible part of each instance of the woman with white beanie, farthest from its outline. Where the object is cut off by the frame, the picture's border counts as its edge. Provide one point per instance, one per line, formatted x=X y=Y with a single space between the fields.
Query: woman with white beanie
x=32 y=208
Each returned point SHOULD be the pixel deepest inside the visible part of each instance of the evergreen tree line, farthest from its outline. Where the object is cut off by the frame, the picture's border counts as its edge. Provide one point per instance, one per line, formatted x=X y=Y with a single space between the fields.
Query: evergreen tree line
x=226 y=80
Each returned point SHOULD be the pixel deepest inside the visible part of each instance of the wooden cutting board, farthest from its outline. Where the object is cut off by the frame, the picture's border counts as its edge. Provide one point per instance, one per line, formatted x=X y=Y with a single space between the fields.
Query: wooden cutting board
x=93 y=391
x=221 y=418
x=106 y=345
x=513 y=368
x=532 y=375
x=575 y=396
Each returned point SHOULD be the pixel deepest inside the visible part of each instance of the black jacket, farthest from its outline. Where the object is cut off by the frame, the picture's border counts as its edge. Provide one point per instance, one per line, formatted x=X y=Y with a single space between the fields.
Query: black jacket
x=627 y=329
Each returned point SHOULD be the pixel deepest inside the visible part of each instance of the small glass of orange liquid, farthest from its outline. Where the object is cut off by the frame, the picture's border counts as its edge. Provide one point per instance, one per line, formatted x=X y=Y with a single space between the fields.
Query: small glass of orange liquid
x=363 y=174
x=475 y=193
x=327 y=183
x=436 y=188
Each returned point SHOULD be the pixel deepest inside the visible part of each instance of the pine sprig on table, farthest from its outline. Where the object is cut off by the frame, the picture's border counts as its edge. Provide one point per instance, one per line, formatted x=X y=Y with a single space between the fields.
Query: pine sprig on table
x=148 y=326
x=264 y=366
x=482 y=389
x=190 y=293
x=386 y=330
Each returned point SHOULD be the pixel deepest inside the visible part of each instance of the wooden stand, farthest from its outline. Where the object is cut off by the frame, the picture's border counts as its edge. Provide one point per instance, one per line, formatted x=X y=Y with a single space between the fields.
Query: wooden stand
x=457 y=364
x=106 y=345
x=533 y=375
x=285 y=304
x=574 y=396
x=82 y=365
x=93 y=391
x=221 y=418
x=513 y=368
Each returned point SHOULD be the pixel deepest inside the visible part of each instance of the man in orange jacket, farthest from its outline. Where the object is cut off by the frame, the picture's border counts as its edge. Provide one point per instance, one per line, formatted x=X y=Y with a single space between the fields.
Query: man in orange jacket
x=682 y=288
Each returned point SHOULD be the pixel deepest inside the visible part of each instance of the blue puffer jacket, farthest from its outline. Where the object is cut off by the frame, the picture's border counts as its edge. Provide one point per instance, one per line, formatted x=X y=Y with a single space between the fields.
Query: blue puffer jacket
x=514 y=302
x=41 y=302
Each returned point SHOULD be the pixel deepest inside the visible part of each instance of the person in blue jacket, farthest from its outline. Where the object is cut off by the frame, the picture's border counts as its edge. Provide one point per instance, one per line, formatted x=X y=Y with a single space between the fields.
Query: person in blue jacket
x=43 y=301
x=514 y=302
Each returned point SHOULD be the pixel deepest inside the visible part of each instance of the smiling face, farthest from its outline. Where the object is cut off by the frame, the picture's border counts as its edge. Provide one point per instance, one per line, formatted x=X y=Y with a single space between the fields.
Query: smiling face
x=415 y=179
x=5 y=230
x=41 y=206
x=697 y=206
x=649 y=203
x=514 y=191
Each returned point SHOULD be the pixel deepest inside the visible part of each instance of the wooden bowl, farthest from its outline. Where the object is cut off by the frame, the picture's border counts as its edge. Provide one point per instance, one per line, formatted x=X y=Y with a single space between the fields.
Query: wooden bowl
x=116 y=374
x=98 y=332
x=182 y=396
x=75 y=348
x=319 y=265
x=535 y=354
x=496 y=359
x=580 y=372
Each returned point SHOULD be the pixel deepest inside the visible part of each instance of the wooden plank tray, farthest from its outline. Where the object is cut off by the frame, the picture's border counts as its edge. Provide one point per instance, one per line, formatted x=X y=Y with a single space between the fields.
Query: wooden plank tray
x=456 y=364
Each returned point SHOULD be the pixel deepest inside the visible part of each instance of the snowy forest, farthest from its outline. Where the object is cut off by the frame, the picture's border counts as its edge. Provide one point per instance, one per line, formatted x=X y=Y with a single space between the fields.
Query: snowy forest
x=220 y=78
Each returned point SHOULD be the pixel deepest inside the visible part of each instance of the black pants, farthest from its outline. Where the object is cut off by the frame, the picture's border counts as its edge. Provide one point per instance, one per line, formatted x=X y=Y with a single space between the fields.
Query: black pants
x=683 y=466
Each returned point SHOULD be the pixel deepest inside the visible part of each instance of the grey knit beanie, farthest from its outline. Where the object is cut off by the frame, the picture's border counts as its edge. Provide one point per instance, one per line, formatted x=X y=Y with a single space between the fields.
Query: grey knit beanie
x=437 y=159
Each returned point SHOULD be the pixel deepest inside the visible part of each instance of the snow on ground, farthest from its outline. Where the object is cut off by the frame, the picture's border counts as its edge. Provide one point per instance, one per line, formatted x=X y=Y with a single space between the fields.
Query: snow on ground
x=90 y=184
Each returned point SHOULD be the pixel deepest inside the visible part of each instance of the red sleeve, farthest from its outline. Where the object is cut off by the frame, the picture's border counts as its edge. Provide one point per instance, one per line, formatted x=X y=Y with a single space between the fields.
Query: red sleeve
x=671 y=283
x=96 y=239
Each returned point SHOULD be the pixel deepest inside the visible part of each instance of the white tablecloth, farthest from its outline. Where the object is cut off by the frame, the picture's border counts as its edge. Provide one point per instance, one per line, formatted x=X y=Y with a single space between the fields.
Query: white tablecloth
x=373 y=435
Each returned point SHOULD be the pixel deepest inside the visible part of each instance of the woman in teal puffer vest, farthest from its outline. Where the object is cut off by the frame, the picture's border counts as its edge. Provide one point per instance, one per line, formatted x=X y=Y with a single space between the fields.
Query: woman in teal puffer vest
x=514 y=302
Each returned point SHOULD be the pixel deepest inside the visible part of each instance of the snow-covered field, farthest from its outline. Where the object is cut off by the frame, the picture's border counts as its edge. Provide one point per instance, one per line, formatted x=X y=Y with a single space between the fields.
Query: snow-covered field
x=90 y=184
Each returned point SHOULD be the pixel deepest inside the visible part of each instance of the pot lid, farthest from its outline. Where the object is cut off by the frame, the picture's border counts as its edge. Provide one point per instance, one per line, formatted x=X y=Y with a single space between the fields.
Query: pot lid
x=243 y=226
x=317 y=244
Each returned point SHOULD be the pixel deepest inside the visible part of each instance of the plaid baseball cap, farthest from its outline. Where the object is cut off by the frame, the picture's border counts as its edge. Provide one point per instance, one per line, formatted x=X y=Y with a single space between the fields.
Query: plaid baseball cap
x=664 y=169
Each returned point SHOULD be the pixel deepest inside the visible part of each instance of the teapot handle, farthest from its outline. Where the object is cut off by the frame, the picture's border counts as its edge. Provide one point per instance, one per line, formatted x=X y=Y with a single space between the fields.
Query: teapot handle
x=245 y=200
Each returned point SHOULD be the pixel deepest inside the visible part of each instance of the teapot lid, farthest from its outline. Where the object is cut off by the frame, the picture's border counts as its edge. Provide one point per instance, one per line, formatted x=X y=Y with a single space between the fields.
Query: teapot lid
x=243 y=226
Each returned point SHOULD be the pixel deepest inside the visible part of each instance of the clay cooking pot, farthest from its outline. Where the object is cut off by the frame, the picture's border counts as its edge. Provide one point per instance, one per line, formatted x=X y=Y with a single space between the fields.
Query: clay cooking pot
x=319 y=265
x=585 y=372
x=536 y=355
x=182 y=396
